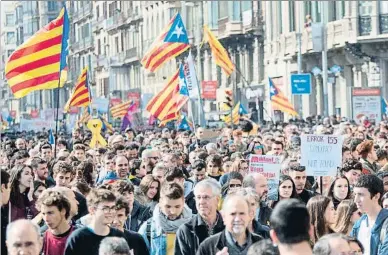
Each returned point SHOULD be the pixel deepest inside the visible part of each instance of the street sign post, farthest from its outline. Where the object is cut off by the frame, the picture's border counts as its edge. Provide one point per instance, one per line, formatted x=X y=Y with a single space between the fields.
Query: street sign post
x=301 y=84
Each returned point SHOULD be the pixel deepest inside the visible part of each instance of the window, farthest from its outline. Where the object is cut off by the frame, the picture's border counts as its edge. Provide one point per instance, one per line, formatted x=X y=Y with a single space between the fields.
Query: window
x=246 y=5
x=9 y=52
x=85 y=31
x=104 y=7
x=338 y=8
x=11 y=37
x=316 y=11
x=280 y=20
x=235 y=11
x=365 y=8
x=213 y=13
x=9 y=19
x=98 y=47
x=122 y=42
x=223 y=10
x=98 y=11
x=117 y=45
x=52 y=6
x=291 y=15
x=383 y=7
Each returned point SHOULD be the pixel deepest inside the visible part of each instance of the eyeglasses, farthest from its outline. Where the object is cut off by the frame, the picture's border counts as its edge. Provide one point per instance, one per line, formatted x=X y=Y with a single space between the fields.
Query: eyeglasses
x=235 y=185
x=107 y=209
x=154 y=158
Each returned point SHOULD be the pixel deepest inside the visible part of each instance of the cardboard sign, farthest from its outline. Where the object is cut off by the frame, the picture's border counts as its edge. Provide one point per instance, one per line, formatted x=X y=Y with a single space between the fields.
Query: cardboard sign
x=209 y=90
x=269 y=166
x=321 y=154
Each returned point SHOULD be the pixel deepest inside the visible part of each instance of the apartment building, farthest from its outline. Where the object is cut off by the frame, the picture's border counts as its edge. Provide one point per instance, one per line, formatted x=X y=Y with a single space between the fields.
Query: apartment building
x=356 y=39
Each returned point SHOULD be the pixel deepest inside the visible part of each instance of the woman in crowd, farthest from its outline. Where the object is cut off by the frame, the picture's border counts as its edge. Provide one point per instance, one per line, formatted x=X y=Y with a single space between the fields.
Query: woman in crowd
x=286 y=189
x=347 y=215
x=148 y=192
x=385 y=201
x=214 y=167
x=240 y=166
x=255 y=147
x=22 y=189
x=322 y=216
x=235 y=180
x=339 y=190
x=39 y=187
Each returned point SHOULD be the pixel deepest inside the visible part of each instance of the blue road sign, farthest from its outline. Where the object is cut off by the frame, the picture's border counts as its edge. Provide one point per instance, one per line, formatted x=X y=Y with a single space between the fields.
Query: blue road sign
x=301 y=84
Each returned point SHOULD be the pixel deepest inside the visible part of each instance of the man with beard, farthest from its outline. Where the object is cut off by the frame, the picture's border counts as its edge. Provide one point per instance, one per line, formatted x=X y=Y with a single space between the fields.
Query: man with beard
x=236 y=238
x=40 y=169
x=160 y=230
x=298 y=175
x=206 y=223
x=259 y=183
x=55 y=210
x=131 y=151
x=86 y=240
x=150 y=157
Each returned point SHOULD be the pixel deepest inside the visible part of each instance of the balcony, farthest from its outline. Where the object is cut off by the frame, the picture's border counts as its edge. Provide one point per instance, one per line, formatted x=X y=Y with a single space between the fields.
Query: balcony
x=99 y=24
x=118 y=60
x=116 y=22
x=131 y=55
x=133 y=16
x=227 y=27
x=252 y=22
x=364 y=25
x=384 y=23
x=82 y=13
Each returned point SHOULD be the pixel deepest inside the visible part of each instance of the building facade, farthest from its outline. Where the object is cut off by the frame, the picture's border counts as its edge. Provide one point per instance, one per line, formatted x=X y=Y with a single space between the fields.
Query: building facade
x=355 y=35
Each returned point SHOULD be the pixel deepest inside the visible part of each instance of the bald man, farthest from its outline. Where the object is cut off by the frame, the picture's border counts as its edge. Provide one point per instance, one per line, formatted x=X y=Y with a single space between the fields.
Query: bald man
x=23 y=238
x=258 y=182
x=20 y=144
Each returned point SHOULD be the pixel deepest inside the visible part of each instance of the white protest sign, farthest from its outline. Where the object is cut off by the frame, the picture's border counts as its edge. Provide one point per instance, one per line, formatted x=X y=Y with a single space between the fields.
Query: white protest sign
x=35 y=125
x=191 y=78
x=321 y=154
x=269 y=166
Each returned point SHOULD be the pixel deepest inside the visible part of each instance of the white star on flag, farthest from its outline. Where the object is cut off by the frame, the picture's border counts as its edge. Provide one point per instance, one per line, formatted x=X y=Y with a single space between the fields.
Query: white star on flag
x=273 y=91
x=178 y=31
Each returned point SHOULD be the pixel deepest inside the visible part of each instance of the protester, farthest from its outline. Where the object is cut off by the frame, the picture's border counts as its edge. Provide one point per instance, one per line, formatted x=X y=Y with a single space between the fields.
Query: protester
x=298 y=175
x=368 y=192
x=114 y=246
x=236 y=238
x=332 y=244
x=5 y=195
x=23 y=238
x=206 y=223
x=286 y=190
x=290 y=222
x=86 y=240
x=339 y=190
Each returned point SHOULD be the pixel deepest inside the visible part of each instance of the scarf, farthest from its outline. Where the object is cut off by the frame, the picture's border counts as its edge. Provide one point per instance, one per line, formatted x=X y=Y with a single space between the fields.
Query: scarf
x=171 y=226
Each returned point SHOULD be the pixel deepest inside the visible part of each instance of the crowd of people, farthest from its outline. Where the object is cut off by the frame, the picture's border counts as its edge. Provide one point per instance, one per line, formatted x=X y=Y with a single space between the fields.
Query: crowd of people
x=161 y=192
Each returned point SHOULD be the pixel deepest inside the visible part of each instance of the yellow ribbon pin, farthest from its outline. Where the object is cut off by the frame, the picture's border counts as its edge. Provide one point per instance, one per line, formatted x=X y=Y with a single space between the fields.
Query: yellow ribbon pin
x=95 y=125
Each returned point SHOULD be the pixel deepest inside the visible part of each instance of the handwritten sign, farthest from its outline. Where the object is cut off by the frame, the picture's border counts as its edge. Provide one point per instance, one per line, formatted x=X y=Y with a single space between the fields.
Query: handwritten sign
x=268 y=166
x=321 y=154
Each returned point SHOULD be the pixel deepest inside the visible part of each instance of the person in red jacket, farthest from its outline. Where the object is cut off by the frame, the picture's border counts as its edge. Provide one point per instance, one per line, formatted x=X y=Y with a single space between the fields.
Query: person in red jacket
x=55 y=209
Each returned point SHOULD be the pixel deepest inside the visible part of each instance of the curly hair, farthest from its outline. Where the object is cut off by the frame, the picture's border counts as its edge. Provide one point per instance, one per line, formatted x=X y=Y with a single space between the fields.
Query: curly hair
x=54 y=198
x=96 y=196
x=62 y=167
x=365 y=148
x=84 y=171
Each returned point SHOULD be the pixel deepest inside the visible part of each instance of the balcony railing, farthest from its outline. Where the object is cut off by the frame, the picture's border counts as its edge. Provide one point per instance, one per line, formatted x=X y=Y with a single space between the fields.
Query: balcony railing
x=365 y=25
x=384 y=23
x=116 y=21
x=222 y=25
x=83 y=12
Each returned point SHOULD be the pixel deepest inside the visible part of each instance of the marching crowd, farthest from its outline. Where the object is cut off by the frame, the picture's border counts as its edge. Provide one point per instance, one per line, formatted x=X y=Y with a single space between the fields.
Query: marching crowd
x=160 y=191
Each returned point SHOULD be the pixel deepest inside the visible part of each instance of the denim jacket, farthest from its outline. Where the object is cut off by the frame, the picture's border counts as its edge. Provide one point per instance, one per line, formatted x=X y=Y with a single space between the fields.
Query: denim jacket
x=157 y=237
x=376 y=247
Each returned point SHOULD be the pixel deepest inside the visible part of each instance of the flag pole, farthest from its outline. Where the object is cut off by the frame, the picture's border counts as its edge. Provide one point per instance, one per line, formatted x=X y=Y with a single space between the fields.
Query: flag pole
x=57 y=115
x=256 y=95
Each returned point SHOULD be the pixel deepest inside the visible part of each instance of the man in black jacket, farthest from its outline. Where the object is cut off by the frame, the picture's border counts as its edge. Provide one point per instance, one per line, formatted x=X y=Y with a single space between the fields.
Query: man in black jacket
x=208 y=221
x=298 y=175
x=236 y=238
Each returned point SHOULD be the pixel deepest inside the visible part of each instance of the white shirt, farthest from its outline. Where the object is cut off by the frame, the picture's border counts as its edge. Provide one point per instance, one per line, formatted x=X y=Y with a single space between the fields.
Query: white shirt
x=364 y=235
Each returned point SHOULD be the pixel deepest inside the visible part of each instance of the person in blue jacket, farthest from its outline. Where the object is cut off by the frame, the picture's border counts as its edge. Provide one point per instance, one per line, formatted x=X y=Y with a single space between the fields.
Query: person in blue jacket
x=371 y=228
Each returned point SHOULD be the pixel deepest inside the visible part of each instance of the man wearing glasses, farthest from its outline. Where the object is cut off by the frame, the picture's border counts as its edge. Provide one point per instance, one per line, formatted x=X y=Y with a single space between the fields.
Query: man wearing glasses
x=207 y=222
x=86 y=240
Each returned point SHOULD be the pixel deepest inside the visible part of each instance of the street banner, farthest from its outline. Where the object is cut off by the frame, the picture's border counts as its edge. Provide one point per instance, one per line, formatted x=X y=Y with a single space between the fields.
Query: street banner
x=268 y=166
x=49 y=114
x=366 y=102
x=321 y=154
x=101 y=104
x=135 y=97
x=35 y=125
x=191 y=78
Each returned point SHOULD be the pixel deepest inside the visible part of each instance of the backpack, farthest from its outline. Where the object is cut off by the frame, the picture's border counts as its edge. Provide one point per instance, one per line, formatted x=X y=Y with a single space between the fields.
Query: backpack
x=383 y=231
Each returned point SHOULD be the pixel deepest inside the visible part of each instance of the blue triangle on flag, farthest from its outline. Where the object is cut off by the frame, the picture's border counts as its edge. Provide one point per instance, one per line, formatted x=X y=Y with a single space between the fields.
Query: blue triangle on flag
x=242 y=110
x=184 y=124
x=177 y=32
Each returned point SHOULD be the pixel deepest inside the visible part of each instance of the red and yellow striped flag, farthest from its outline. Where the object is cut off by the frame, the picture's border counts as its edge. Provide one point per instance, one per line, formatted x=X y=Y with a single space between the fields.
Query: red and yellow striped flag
x=81 y=94
x=170 y=43
x=219 y=53
x=119 y=110
x=166 y=104
x=40 y=62
x=279 y=101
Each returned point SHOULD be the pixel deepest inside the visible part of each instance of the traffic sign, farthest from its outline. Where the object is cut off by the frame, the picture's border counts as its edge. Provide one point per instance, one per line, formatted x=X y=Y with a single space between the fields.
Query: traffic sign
x=301 y=84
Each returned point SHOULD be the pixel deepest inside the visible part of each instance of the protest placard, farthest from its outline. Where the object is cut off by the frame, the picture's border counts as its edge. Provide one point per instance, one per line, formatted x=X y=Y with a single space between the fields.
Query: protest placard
x=268 y=166
x=321 y=154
